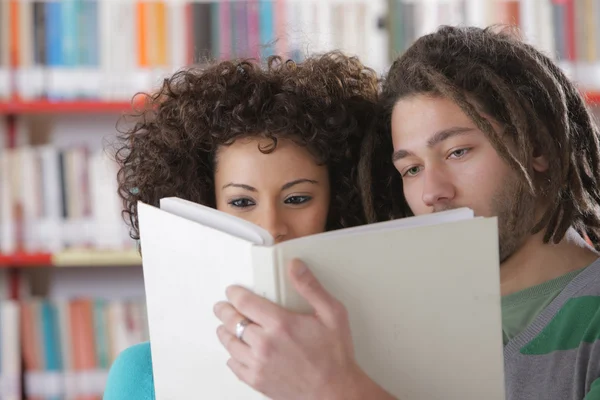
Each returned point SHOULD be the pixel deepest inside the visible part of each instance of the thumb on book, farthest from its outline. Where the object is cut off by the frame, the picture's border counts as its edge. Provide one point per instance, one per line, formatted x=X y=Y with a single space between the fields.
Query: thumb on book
x=312 y=291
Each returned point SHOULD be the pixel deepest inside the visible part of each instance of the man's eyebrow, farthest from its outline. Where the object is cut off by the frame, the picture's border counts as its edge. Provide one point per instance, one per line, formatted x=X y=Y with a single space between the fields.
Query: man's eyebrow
x=240 y=185
x=436 y=139
x=447 y=134
x=400 y=154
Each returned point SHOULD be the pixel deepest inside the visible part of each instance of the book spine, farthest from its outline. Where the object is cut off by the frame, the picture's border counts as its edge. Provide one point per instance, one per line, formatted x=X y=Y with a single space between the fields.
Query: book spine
x=5 y=37
x=51 y=374
x=266 y=273
x=177 y=27
x=54 y=47
x=10 y=356
x=253 y=29
x=266 y=28
x=225 y=30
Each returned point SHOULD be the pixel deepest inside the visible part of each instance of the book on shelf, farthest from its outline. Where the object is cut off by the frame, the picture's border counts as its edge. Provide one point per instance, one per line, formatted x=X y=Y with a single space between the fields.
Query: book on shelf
x=52 y=199
x=10 y=356
x=66 y=346
x=568 y=31
x=107 y=50
x=65 y=49
x=421 y=293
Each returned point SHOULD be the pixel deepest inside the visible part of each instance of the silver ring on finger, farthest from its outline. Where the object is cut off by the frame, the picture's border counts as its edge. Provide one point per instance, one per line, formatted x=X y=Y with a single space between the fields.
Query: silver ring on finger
x=240 y=327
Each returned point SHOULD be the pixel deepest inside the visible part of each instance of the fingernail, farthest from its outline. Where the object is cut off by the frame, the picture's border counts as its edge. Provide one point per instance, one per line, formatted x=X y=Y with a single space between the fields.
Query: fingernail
x=299 y=268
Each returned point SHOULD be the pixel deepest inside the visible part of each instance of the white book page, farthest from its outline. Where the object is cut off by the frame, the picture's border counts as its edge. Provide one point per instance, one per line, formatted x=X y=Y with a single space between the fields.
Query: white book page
x=248 y=231
x=187 y=268
x=217 y=220
x=438 y=218
x=418 y=301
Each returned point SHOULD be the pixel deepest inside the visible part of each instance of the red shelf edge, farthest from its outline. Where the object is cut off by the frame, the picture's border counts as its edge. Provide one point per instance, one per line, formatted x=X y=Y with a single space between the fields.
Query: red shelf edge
x=592 y=97
x=25 y=260
x=44 y=107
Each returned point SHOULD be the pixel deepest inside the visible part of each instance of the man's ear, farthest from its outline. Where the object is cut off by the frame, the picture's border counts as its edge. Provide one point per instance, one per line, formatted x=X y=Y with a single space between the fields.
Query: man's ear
x=540 y=163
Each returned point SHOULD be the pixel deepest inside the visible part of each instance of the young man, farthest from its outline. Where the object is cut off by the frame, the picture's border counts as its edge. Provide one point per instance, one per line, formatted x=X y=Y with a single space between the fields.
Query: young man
x=483 y=120
x=478 y=119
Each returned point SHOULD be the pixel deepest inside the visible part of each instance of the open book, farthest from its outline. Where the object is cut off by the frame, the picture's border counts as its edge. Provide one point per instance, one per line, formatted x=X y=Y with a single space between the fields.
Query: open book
x=423 y=296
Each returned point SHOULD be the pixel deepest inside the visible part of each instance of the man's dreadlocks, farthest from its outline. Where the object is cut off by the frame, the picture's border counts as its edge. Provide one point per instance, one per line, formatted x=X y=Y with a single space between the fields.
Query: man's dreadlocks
x=491 y=72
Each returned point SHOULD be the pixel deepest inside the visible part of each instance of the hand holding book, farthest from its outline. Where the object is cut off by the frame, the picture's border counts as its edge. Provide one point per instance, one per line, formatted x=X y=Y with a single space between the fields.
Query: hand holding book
x=288 y=355
x=406 y=287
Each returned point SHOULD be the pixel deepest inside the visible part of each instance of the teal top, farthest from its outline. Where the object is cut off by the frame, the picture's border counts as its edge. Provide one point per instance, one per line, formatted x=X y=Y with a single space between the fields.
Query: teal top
x=130 y=376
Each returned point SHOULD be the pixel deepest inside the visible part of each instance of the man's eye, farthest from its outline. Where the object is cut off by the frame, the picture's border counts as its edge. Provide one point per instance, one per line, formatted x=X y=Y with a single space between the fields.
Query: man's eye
x=412 y=171
x=459 y=153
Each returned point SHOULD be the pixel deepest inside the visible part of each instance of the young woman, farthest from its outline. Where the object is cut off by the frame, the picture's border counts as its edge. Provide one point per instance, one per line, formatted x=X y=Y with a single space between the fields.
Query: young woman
x=277 y=145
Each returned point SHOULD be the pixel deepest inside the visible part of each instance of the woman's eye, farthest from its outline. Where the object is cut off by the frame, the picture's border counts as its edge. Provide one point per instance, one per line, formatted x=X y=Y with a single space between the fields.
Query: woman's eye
x=297 y=199
x=241 y=203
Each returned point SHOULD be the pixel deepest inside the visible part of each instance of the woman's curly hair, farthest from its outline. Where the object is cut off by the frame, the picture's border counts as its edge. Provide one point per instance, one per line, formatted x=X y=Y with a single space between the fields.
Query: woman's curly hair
x=326 y=103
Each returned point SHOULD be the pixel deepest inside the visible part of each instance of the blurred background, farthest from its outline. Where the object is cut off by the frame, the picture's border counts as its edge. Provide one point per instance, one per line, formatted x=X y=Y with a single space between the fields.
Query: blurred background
x=71 y=283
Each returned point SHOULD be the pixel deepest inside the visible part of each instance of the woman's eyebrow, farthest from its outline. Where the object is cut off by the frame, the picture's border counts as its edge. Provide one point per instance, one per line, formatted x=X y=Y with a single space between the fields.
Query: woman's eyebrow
x=298 y=181
x=241 y=186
